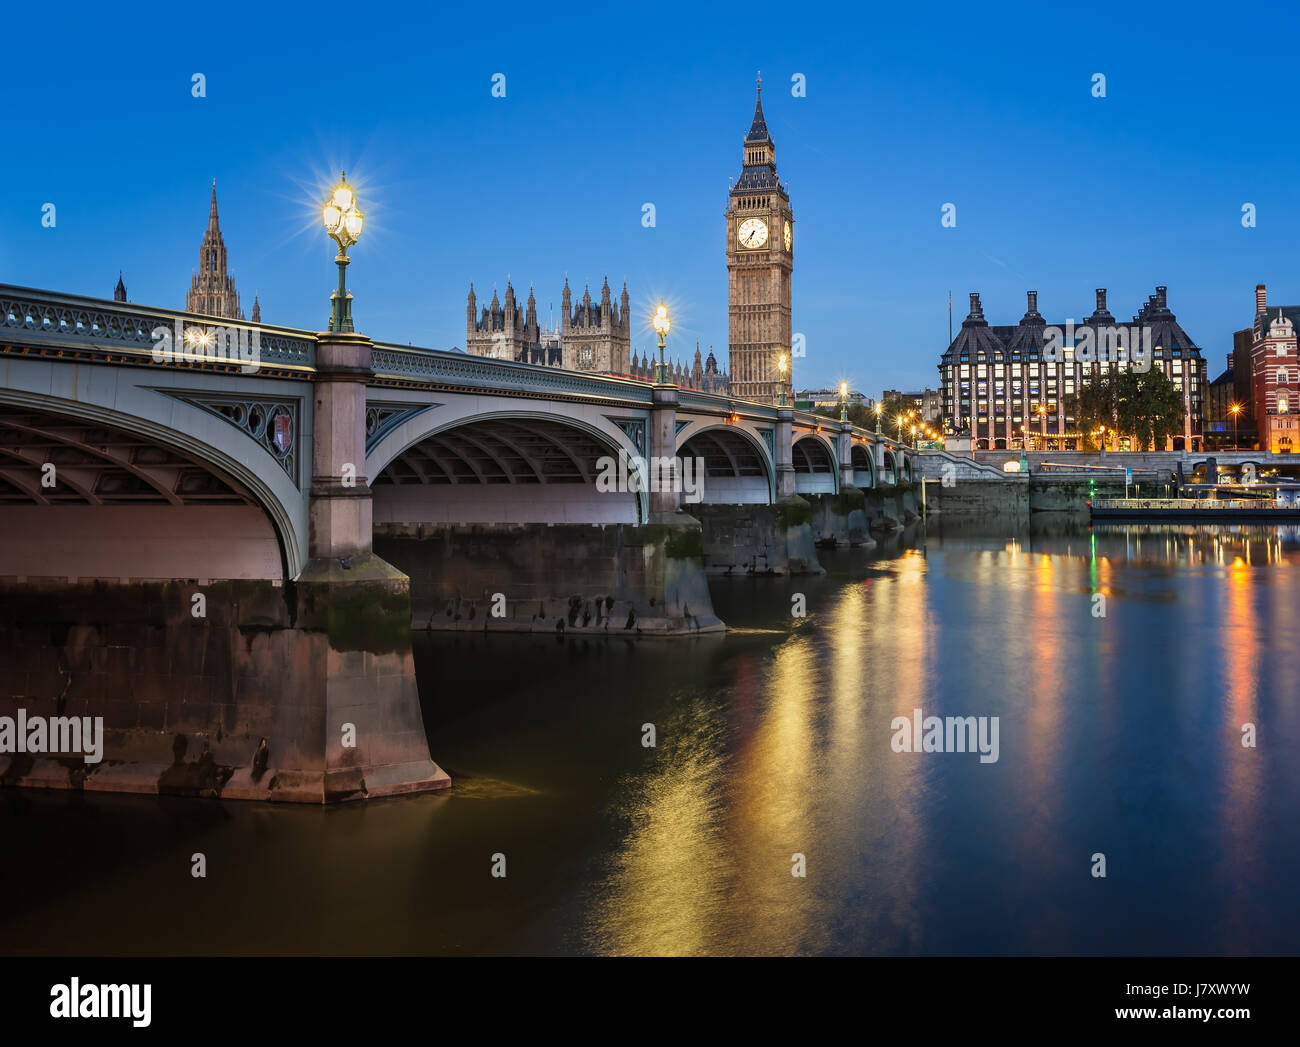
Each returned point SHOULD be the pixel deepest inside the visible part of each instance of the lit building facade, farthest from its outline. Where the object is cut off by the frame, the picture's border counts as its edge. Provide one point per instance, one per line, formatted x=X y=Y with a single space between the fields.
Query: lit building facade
x=592 y=336
x=1001 y=385
x=928 y=402
x=1275 y=377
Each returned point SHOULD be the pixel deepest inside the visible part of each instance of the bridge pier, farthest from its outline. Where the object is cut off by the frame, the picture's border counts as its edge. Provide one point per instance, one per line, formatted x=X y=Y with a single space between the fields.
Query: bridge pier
x=841 y=519
x=353 y=610
x=340 y=513
x=252 y=687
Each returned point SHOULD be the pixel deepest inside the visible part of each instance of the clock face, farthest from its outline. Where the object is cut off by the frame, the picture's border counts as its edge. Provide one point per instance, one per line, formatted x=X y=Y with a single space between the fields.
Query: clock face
x=789 y=236
x=752 y=233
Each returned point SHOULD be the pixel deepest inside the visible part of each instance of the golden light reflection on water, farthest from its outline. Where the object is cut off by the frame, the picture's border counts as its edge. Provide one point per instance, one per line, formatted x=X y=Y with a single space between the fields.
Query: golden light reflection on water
x=800 y=762
x=1239 y=645
x=899 y=781
x=707 y=865
x=671 y=880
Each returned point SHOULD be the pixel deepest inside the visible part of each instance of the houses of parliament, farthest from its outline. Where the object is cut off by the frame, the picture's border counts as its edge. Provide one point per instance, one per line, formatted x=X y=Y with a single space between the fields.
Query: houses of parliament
x=596 y=336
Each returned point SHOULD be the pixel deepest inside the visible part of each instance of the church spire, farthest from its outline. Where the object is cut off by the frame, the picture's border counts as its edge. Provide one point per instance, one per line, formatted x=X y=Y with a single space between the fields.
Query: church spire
x=214 y=223
x=758 y=129
x=212 y=291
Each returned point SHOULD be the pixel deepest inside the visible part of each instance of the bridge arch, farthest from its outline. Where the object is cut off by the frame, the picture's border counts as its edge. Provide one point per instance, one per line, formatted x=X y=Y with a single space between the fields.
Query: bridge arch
x=455 y=463
x=134 y=498
x=737 y=466
x=153 y=488
x=889 y=468
x=815 y=467
x=864 y=469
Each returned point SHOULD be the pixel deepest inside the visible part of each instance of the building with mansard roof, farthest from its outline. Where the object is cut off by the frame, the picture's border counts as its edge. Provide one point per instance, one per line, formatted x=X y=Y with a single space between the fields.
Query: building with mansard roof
x=999 y=385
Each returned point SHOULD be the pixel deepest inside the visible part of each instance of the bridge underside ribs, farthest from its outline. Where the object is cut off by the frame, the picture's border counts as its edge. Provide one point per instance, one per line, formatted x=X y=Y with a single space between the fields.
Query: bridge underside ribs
x=83 y=500
x=863 y=471
x=501 y=470
x=814 y=470
x=734 y=471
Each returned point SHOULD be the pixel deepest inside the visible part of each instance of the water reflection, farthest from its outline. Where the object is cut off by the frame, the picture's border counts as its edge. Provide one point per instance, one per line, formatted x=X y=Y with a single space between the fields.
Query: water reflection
x=924 y=852
x=1120 y=733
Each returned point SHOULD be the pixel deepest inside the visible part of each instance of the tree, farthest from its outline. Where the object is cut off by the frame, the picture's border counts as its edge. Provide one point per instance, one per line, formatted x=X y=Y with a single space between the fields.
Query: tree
x=892 y=406
x=1161 y=414
x=858 y=415
x=1095 y=405
x=1148 y=406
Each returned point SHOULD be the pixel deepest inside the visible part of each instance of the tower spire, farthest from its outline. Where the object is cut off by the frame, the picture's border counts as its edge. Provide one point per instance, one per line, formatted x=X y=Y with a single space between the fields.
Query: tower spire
x=212 y=291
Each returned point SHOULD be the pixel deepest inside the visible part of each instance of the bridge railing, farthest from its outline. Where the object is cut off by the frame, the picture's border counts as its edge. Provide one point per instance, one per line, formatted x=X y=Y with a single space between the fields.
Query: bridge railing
x=48 y=320
x=45 y=319
x=411 y=363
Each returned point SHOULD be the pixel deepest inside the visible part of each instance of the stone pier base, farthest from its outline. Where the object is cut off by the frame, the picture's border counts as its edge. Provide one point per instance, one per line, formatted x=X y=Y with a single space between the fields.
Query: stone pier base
x=569 y=579
x=303 y=691
x=890 y=508
x=759 y=539
x=840 y=519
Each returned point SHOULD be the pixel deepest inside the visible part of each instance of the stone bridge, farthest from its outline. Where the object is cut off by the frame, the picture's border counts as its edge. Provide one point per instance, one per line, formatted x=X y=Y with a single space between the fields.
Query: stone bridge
x=218 y=538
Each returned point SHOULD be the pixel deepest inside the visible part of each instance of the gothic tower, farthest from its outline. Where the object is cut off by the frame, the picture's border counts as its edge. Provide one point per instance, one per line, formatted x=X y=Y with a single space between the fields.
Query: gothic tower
x=212 y=291
x=760 y=259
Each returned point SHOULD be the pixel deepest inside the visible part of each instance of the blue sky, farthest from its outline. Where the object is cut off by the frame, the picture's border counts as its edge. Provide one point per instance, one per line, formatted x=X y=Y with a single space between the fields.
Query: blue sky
x=908 y=107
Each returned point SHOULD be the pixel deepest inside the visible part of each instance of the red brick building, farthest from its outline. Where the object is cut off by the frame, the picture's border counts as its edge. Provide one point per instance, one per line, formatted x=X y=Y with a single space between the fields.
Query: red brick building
x=1275 y=376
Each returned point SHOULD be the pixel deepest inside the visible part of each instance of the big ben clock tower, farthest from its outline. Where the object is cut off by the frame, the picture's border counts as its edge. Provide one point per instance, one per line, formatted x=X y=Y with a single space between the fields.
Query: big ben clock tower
x=760 y=258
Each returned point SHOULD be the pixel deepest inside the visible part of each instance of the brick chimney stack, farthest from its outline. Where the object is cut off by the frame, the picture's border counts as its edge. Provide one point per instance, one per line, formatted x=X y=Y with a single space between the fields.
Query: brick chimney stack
x=1261 y=301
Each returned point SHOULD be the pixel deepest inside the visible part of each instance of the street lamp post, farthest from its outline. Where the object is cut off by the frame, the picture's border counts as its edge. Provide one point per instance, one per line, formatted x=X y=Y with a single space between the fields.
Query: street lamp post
x=844 y=401
x=781 y=366
x=914 y=437
x=342 y=220
x=661 y=324
x=879 y=406
x=1236 y=410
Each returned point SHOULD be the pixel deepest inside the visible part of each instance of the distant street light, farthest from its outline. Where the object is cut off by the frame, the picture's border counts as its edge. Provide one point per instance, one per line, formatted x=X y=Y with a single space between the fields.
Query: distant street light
x=342 y=220
x=662 y=324
x=844 y=401
x=879 y=407
x=781 y=366
x=1236 y=410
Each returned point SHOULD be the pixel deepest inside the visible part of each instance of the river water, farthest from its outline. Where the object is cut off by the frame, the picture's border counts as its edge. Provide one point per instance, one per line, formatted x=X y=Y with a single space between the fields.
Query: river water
x=1120 y=726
